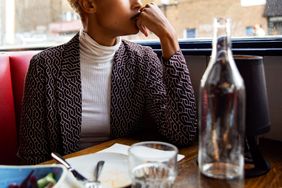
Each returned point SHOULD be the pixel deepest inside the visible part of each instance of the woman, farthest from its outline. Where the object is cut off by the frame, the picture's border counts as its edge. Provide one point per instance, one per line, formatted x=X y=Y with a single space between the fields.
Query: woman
x=97 y=86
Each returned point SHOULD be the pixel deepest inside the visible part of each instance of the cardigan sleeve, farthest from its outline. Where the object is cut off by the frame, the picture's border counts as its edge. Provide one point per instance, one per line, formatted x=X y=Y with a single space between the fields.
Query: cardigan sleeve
x=33 y=145
x=170 y=99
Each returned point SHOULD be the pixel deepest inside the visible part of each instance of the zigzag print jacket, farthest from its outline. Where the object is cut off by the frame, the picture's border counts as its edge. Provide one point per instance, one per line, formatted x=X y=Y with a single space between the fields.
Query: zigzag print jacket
x=141 y=82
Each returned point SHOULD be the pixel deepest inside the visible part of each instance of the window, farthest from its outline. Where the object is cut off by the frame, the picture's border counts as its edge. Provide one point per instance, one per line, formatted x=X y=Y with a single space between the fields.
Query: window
x=250 y=31
x=43 y=23
x=189 y=33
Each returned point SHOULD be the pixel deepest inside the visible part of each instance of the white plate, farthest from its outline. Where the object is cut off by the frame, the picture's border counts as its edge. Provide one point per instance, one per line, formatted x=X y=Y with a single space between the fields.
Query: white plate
x=114 y=174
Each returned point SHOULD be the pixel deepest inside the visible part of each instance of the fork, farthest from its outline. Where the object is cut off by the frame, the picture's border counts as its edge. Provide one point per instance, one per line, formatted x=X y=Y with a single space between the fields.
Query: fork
x=87 y=183
x=96 y=183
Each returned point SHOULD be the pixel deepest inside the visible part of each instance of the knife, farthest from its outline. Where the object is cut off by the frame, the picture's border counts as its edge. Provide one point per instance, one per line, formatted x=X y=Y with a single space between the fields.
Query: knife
x=62 y=161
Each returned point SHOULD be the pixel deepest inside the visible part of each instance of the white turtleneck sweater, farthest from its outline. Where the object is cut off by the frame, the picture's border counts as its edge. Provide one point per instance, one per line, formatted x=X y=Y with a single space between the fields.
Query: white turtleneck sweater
x=96 y=66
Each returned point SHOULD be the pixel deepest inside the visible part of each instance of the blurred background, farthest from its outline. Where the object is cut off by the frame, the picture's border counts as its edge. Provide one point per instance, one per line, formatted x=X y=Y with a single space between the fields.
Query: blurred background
x=43 y=23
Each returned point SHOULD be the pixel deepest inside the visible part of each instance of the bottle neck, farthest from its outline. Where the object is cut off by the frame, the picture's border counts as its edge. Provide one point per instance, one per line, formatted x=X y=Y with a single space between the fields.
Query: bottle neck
x=221 y=46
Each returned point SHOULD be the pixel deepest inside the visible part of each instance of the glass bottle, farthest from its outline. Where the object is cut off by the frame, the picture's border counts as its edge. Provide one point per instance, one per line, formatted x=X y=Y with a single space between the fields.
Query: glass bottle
x=221 y=110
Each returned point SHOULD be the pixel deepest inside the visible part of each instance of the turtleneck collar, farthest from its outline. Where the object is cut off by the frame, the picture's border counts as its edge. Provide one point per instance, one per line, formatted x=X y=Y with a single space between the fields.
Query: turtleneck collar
x=98 y=53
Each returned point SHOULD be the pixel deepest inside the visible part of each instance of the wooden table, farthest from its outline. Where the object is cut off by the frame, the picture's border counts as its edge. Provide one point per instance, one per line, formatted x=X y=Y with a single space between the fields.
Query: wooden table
x=189 y=175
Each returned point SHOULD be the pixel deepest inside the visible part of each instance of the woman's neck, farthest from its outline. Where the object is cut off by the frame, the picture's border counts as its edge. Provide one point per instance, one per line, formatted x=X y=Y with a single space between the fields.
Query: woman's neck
x=99 y=36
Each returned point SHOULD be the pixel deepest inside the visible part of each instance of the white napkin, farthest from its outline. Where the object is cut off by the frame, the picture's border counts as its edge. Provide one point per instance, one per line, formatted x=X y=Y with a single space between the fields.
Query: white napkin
x=123 y=149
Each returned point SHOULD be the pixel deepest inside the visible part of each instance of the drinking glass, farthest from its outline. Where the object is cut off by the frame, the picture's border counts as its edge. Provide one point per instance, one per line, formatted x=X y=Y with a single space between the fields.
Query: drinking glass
x=152 y=164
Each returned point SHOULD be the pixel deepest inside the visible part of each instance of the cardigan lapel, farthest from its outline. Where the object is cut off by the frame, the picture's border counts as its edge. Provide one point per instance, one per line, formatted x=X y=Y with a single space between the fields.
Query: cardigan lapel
x=70 y=66
x=69 y=95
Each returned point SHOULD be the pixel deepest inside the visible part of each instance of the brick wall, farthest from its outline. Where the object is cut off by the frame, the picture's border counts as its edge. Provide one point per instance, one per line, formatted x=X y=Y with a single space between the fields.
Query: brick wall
x=186 y=14
x=199 y=14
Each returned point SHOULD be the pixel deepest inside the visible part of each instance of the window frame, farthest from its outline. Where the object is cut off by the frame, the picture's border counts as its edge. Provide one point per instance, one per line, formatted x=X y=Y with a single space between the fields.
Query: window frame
x=265 y=46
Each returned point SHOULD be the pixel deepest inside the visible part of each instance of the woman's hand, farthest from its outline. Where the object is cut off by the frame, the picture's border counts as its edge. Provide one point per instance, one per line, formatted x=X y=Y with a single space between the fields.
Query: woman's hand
x=151 y=18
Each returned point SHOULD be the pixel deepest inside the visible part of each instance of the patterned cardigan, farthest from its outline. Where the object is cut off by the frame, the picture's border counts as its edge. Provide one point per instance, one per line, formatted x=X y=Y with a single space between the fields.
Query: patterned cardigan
x=140 y=83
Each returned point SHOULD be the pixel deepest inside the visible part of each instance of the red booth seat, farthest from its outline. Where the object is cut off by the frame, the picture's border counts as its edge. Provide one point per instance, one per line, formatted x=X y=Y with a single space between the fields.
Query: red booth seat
x=19 y=62
x=8 y=134
x=13 y=68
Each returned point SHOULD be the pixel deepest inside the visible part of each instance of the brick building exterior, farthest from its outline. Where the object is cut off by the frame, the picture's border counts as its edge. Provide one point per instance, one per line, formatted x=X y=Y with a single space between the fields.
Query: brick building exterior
x=31 y=14
x=191 y=18
x=185 y=15
x=199 y=14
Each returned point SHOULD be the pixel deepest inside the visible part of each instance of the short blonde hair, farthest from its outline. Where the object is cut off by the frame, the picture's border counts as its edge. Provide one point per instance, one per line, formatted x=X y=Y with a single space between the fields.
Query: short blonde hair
x=76 y=6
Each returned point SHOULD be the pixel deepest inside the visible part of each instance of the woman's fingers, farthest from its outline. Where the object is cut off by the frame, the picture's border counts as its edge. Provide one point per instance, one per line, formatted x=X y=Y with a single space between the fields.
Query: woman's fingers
x=142 y=28
x=151 y=18
x=141 y=20
x=145 y=30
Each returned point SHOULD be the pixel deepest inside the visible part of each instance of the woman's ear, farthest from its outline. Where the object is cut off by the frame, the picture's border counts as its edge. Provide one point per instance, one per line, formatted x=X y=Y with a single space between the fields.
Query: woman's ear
x=88 y=6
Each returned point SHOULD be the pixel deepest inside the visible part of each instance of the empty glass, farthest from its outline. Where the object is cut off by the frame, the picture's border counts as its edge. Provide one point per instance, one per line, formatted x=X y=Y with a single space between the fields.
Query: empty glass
x=152 y=164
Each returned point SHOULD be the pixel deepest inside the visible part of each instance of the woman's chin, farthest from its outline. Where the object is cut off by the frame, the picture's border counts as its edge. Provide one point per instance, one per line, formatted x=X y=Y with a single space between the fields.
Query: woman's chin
x=132 y=31
x=129 y=30
x=135 y=32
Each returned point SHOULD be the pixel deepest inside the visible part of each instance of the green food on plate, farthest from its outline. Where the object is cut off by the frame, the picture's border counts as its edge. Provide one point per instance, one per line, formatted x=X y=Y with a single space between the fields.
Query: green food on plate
x=47 y=181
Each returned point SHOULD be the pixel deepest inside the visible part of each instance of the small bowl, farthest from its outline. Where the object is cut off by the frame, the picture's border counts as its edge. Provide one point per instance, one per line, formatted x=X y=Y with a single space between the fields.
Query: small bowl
x=16 y=174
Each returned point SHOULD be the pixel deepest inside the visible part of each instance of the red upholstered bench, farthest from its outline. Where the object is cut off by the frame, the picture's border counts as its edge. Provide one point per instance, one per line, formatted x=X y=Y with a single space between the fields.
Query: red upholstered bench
x=13 y=68
x=8 y=136
x=19 y=62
